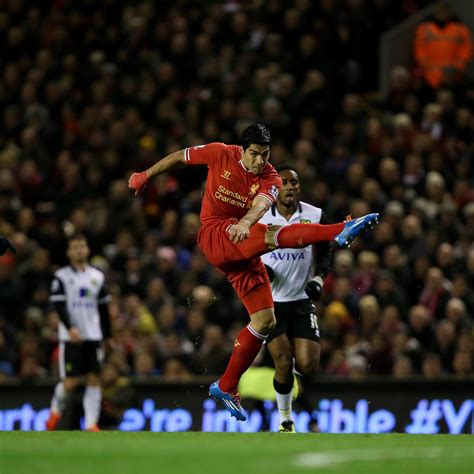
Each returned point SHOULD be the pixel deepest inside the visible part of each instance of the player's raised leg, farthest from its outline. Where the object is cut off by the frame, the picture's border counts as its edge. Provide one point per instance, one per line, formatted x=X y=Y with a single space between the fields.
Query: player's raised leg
x=301 y=235
x=262 y=239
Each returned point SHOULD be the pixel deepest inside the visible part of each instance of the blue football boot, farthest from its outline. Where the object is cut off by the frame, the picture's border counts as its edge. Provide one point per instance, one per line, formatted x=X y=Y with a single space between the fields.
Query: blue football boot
x=231 y=401
x=352 y=228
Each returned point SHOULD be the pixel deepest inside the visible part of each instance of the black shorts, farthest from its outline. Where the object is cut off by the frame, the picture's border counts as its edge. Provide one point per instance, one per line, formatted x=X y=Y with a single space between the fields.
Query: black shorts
x=296 y=319
x=80 y=359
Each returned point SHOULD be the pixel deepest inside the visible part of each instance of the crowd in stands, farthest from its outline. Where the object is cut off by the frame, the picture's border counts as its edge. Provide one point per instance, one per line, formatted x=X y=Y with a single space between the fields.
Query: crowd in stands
x=91 y=91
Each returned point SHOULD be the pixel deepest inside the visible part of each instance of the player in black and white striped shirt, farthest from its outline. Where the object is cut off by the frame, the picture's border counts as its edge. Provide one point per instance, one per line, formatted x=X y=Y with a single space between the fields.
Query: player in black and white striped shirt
x=79 y=297
x=297 y=280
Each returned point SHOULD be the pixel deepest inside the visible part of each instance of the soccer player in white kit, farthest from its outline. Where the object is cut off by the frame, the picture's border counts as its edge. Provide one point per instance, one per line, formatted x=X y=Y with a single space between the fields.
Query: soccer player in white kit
x=79 y=296
x=297 y=280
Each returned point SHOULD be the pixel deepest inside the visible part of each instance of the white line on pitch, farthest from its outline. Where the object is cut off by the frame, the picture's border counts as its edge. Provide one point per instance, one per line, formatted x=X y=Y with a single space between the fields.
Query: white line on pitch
x=332 y=458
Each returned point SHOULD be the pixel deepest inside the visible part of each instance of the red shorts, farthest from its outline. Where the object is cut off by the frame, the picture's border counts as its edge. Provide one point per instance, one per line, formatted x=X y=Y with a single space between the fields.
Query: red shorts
x=247 y=275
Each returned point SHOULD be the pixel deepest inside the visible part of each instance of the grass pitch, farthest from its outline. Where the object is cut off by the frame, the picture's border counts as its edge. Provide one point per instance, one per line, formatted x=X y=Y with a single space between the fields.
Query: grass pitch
x=225 y=453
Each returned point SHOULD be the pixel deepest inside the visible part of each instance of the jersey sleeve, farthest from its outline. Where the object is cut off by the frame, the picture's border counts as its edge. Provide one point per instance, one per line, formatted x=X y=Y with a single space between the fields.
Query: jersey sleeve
x=103 y=299
x=203 y=154
x=270 y=185
x=57 y=298
x=104 y=296
x=57 y=293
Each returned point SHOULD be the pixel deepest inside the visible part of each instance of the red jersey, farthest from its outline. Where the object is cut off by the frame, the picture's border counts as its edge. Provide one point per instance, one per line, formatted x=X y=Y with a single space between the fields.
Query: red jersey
x=230 y=188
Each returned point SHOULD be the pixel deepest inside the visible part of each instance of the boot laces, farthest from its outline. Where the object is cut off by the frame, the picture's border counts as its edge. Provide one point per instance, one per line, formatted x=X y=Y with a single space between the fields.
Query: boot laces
x=235 y=397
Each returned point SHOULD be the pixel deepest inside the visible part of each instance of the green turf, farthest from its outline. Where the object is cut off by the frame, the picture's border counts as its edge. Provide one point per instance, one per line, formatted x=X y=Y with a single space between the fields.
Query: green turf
x=212 y=453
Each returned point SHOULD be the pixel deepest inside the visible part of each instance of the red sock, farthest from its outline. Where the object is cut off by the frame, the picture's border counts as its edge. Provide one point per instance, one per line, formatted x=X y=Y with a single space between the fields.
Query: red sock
x=300 y=235
x=246 y=347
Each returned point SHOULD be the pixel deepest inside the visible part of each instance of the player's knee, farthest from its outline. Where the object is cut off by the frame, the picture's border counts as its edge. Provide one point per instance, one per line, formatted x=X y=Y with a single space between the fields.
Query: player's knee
x=92 y=380
x=268 y=324
x=70 y=384
x=283 y=365
x=265 y=323
x=308 y=366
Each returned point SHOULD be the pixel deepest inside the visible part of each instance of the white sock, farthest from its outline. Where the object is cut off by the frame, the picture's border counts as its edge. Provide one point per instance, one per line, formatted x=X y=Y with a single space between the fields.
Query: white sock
x=284 y=405
x=91 y=403
x=57 y=402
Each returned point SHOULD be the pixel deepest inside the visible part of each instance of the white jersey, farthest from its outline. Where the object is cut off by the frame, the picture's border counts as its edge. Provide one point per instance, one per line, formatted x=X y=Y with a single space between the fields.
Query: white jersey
x=82 y=291
x=292 y=268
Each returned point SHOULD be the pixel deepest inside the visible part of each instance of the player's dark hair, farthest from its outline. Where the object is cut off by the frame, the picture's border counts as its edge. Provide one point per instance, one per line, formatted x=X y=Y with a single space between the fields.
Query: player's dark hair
x=286 y=167
x=256 y=134
x=75 y=237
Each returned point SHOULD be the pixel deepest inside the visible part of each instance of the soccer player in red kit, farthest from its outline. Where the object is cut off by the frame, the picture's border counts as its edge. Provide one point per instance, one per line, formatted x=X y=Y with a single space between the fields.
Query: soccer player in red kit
x=241 y=186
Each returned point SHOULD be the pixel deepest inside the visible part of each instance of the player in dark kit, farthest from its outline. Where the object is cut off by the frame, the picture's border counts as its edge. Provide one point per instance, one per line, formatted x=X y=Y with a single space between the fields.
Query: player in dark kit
x=297 y=280
x=241 y=186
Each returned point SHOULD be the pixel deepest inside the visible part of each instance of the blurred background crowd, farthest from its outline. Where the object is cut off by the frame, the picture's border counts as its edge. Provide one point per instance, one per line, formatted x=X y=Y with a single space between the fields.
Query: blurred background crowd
x=91 y=91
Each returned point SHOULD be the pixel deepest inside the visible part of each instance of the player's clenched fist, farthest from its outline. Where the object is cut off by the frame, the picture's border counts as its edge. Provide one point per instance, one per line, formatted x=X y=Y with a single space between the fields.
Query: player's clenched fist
x=238 y=232
x=138 y=181
x=314 y=288
x=75 y=335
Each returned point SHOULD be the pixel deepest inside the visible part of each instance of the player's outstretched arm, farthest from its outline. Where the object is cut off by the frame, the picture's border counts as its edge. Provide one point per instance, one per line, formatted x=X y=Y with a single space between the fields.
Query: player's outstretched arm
x=323 y=254
x=138 y=181
x=323 y=261
x=240 y=231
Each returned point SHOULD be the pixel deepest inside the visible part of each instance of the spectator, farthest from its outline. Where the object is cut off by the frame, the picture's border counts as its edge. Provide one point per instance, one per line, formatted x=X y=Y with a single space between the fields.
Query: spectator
x=445 y=343
x=456 y=313
x=402 y=367
x=388 y=292
x=443 y=47
x=369 y=315
x=403 y=344
x=357 y=367
x=364 y=279
x=30 y=369
x=214 y=352
x=117 y=396
x=156 y=295
x=434 y=296
x=337 y=364
x=175 y=370
x=144 y=364
x=379 y=358
x=431 y=367
x=138 y=316
x=420 y=325
x=462 y=363
x=195 y=326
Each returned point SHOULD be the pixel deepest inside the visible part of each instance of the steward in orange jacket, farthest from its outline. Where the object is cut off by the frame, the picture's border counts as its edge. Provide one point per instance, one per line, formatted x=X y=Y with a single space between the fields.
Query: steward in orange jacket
x=443 y=46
